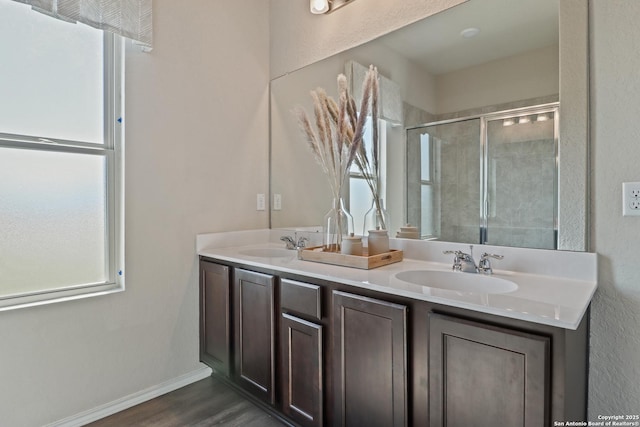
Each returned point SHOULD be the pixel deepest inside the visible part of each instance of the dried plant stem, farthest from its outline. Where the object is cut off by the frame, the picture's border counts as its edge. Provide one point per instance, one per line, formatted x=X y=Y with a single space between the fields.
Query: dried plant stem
x=337 y=140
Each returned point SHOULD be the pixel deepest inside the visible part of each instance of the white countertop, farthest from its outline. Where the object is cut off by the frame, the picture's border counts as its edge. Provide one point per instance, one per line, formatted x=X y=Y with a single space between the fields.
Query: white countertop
x=555 y=300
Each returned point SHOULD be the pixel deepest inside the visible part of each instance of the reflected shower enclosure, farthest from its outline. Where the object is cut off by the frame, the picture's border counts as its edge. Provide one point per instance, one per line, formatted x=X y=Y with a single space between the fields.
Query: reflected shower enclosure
x=486 y=179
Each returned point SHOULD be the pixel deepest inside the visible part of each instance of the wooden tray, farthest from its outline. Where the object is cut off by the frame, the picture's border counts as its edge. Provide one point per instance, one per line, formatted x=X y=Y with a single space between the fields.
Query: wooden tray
x=365 y=262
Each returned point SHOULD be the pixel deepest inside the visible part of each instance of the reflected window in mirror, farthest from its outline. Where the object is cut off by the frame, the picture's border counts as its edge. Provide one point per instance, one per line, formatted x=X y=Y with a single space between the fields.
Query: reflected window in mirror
x=360 y=195
x=427 y=183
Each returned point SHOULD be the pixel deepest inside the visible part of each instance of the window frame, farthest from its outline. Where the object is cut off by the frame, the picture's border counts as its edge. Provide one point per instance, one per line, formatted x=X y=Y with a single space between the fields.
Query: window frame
x=113 y=151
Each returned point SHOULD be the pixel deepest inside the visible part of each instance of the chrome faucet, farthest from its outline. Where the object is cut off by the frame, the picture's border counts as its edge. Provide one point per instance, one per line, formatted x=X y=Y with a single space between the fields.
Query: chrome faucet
x=292 y=244
x=484 y=266
x=288 y=240
x=462 y=261
x=302 y=243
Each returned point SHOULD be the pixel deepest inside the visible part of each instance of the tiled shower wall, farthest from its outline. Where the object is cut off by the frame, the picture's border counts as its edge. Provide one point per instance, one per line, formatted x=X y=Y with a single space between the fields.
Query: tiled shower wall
x=521 y=180
x=459 y=181
x=521 y=166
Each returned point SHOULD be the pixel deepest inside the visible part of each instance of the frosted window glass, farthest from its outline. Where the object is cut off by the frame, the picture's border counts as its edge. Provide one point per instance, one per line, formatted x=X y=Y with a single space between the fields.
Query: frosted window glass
x=427 y=223
x=52 y=220
x=425 y=157
x=367 y=140
x=360 y=200
x=51 y=76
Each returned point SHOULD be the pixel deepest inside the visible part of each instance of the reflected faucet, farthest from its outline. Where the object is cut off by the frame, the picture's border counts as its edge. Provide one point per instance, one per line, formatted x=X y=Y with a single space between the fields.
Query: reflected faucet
x=302 y=243
x=291 y=243
x=288 y=240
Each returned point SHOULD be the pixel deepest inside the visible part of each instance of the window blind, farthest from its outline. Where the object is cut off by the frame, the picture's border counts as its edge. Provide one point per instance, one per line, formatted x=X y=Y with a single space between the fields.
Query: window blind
x=129 y=18
x=390 y=98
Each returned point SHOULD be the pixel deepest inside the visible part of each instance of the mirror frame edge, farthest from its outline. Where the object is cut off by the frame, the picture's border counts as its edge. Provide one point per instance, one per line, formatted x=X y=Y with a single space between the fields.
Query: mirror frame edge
x=573 y=152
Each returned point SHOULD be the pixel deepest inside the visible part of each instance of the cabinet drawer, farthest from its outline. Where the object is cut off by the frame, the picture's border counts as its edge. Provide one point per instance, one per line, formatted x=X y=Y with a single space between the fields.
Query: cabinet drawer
x=302 y=298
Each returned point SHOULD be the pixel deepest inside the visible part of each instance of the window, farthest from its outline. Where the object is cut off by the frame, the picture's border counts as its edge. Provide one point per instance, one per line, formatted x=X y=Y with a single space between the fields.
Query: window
x=427 y=220
x=61 y=213
x=360 y=197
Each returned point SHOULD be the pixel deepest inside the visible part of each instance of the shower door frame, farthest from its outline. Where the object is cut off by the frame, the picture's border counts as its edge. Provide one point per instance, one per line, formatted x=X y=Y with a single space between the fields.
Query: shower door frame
x=552 y=107
x=484 y=161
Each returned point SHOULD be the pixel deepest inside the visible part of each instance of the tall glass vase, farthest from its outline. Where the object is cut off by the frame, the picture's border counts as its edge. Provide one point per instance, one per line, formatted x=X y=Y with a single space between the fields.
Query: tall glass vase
x=376 y=218
x=338 y=223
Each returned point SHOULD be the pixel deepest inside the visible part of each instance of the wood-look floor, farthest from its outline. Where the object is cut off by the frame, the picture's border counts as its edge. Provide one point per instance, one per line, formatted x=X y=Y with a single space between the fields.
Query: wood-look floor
x=208 y=402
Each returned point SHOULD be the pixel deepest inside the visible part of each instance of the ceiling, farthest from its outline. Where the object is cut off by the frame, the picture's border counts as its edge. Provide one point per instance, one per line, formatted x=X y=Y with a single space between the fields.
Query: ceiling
x=507 y=27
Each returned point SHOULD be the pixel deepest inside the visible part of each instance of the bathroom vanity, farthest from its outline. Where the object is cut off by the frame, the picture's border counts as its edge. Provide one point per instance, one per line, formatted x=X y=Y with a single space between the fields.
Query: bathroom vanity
x=329 y=345
x=411 y=343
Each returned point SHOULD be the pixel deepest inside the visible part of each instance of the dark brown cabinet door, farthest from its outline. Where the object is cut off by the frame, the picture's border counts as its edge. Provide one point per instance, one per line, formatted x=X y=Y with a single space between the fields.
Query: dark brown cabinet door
x=302 y=387
x=255 y=333
x=215 y=337
x=369 y=362
x=486 y=376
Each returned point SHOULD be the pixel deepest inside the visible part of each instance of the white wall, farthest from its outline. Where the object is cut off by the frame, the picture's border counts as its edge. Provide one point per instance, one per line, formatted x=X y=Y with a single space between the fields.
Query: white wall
x=299 y=38
x=196 y=149
x=528 y=75
x=614 y=382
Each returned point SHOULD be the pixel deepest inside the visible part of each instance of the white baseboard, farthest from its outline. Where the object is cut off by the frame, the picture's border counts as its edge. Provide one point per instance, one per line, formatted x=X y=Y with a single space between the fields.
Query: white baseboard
x=134 y=399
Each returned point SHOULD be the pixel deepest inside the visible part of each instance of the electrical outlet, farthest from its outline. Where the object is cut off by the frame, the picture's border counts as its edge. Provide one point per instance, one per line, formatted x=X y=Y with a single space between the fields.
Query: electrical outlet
x=277 y=202
x=260 y=202
x=631 y=198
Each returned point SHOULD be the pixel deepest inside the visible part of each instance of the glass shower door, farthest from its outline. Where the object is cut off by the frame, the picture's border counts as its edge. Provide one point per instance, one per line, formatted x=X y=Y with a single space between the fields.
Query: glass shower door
x=443 y=180
x=520 y=180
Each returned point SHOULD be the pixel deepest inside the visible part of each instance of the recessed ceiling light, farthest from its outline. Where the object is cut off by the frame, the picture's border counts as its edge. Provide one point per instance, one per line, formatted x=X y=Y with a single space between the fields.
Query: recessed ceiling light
x=467 y=33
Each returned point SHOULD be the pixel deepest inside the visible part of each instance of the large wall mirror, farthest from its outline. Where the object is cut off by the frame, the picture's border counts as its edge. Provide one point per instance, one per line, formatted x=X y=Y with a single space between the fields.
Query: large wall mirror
x=483 y=131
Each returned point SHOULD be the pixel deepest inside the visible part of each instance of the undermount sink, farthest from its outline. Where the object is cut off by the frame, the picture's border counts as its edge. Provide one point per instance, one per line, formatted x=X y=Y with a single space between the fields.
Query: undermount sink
x=456 y=281
x=268 y=252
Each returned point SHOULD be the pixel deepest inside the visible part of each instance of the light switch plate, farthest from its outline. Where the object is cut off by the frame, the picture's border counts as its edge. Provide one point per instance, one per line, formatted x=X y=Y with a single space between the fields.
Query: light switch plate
x=277 y=202
x=631 y=199
x=260 y=202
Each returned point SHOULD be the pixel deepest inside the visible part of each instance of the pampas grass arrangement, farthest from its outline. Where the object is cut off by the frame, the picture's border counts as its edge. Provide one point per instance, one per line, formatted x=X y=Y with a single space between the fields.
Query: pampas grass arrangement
x=336 y=140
